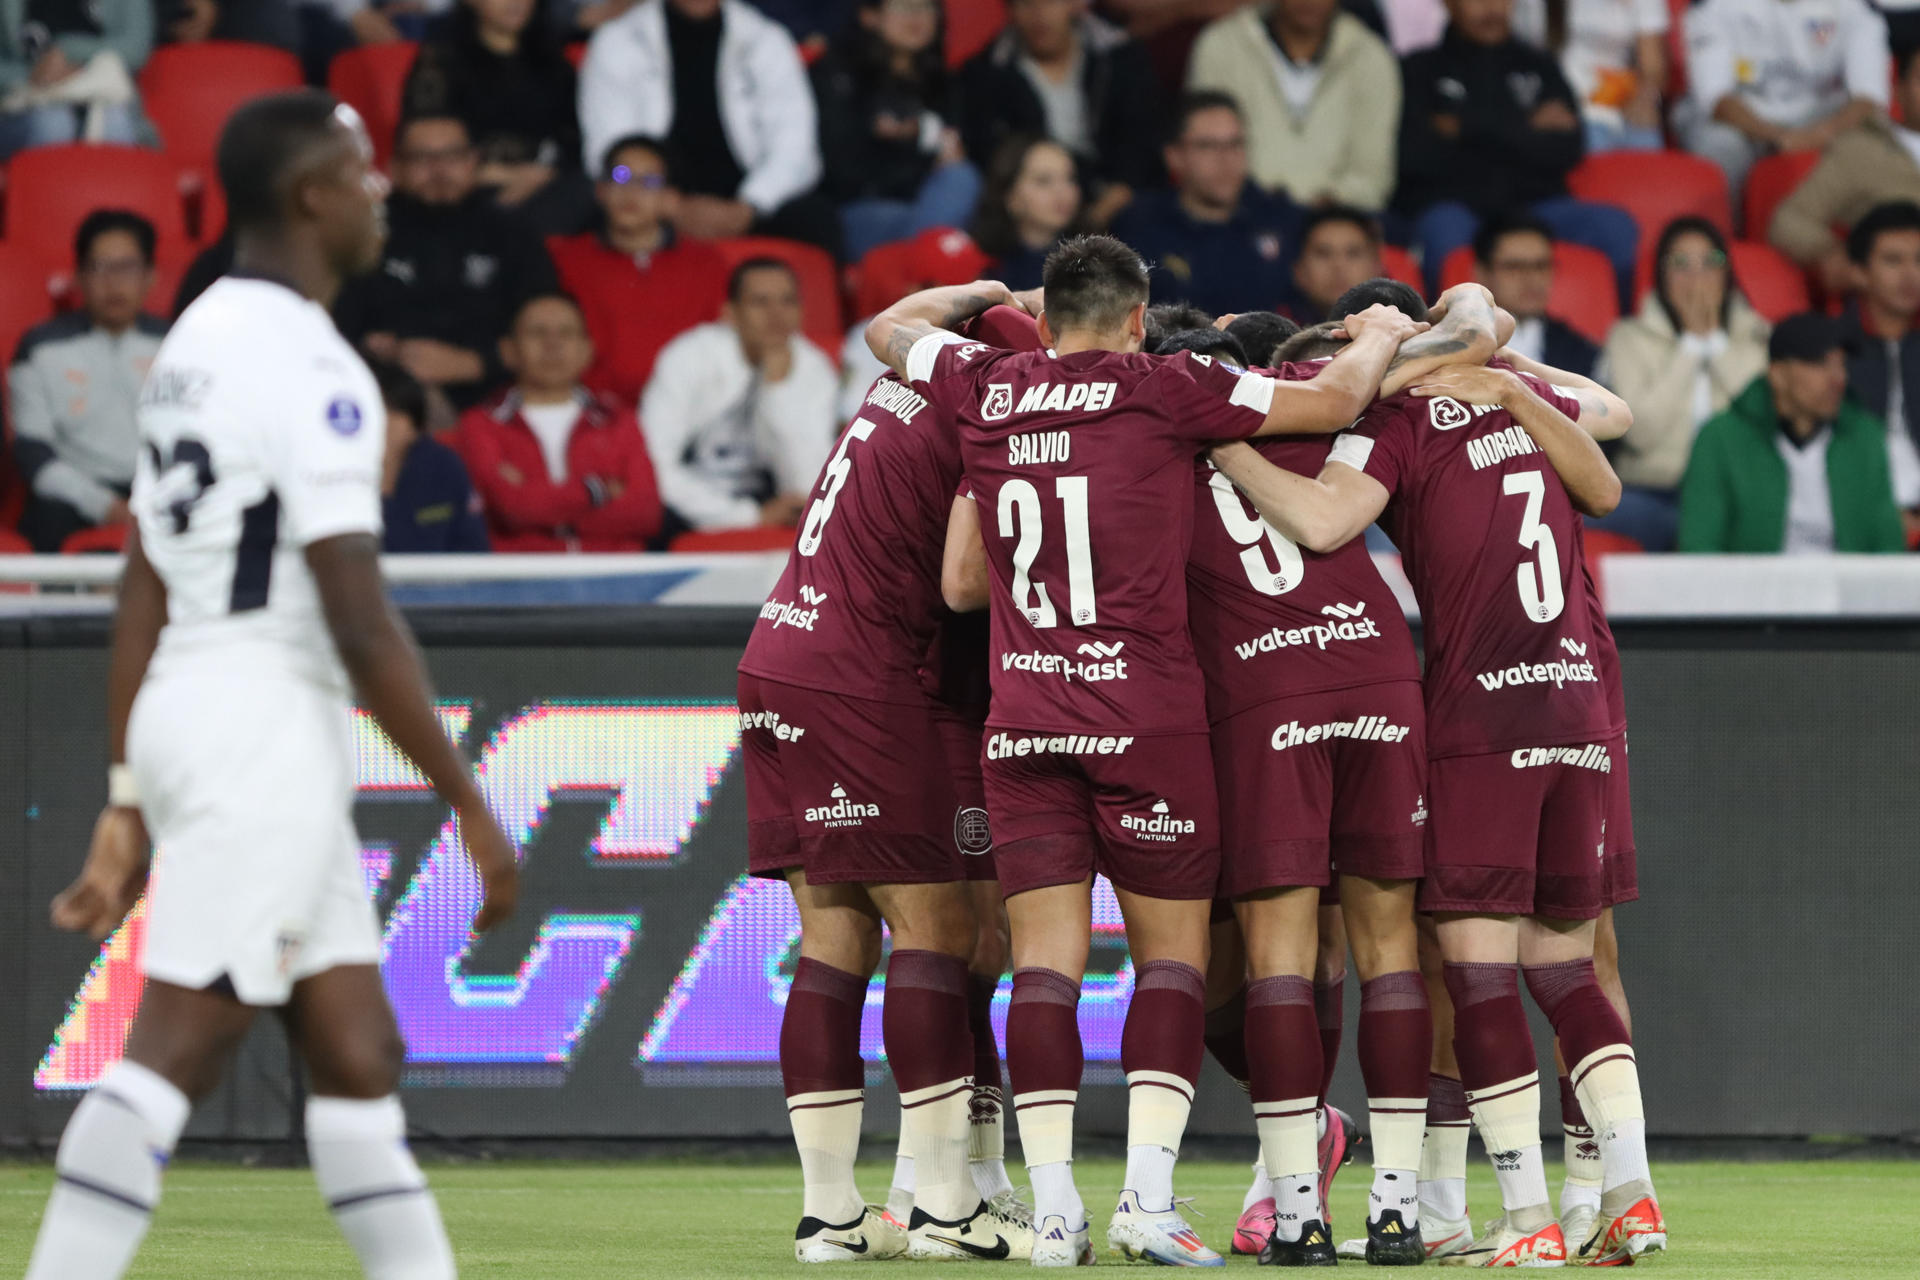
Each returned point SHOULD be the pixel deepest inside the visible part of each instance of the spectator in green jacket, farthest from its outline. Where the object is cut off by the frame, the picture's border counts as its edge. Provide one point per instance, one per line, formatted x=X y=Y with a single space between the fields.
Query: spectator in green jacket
x=1792 y=466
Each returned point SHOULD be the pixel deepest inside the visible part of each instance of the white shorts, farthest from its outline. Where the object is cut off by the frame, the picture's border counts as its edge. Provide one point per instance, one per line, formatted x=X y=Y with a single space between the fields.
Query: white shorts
x=247 y=786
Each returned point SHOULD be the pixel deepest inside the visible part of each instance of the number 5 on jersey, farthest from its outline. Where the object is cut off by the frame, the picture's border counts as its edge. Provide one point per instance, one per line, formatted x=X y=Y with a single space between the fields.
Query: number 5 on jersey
x=834 y=480
x=1019 y=504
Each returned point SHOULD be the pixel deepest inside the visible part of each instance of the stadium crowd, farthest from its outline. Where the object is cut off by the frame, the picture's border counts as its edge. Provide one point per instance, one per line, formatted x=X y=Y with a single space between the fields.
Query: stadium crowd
x=628 y=236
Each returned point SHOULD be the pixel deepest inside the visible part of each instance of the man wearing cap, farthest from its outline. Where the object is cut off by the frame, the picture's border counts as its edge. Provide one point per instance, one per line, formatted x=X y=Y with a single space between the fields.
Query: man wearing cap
x=1792 y=466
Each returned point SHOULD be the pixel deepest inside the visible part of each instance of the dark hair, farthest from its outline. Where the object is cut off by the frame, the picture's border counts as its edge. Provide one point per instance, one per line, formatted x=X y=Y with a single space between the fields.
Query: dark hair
x=400 y=391
x=1192 y=104
x=1217 y=343
x=1486 y=241
x=103 y=221
x=1895 y=215
x=993 y=228
x=1260 y=333
x=645 y=141
x=737 y=279
x=1368 y=224
x=1691 y=224
x=1314 y=342
x=421 y=117
x=265 y=143
x=1404 y=298
x=1903 y=58
x=1092 y=282
x=872 y=61
x=1164 y=318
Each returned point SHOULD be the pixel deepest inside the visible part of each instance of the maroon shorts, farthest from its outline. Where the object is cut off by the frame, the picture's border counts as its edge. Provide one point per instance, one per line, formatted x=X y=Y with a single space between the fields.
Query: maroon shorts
x=1321 y=781
x=1140 y=811
x=850 y=790
x=1622 y=873
x=1519 y=832
x=972 y=834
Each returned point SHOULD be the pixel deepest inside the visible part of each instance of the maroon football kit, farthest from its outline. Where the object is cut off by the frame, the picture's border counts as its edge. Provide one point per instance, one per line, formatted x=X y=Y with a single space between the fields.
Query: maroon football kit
x=1518 y=730
x=1313 y=694
x=955 y=676
x=846 y=771
x=1622 y=871
x=1096 y=751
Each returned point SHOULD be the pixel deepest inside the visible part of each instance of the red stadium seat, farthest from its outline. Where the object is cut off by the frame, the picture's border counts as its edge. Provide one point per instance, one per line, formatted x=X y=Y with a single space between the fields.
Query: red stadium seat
x=941 y=255
x=1584 y=295
x=971 y=27
x=51 y=190
x=106 y=538
x=1655 y=187
x=26 y=297
x=189 y=90
x=12 y=544
x=1775 y=286
x=1770 y=181
x=210 y=214
x=1600 y=544
x=372 y=78
x=820 y=316
x=1399 y=264
x=734 y=540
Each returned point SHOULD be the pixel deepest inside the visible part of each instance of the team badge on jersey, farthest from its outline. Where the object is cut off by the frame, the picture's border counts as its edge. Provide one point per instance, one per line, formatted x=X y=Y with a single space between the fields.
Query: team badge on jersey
x=344 y=416
x=997 y=403
x=1447 y=413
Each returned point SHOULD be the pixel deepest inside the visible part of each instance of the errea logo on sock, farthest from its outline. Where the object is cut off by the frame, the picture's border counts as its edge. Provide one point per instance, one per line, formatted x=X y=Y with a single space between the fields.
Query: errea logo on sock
x=842 y=812
x=1161 y=826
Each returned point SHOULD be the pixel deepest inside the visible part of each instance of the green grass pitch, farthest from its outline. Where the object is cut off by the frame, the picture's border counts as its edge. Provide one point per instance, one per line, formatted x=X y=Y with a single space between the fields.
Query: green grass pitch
x=672 y=1218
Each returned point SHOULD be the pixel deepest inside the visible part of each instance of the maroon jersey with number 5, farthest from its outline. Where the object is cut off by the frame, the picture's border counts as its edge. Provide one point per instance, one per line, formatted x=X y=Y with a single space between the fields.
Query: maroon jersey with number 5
x=1083 y=468
x=1493 y=547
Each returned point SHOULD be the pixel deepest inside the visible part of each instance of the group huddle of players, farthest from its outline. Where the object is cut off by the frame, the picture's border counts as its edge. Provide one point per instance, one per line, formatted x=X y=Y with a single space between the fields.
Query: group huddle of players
x=1194 y=681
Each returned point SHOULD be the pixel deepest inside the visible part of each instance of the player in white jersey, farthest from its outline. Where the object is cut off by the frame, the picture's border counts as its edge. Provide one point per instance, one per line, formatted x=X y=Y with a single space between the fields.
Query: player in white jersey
x=250 y=606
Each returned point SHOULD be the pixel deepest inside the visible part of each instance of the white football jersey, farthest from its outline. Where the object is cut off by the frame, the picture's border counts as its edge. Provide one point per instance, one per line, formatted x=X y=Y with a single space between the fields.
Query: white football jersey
x=261 y=431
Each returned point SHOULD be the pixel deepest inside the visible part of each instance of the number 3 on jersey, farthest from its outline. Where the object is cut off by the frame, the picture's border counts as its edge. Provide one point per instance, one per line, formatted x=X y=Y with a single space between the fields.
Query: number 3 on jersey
x=1019 y=504
x=1541 y=599
x=838 y=469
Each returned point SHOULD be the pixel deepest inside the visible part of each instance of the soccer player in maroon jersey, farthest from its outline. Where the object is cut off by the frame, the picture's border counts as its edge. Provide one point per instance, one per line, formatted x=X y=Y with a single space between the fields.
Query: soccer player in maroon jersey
x=848 y=801
x=1464 y=471
x=1096 y=757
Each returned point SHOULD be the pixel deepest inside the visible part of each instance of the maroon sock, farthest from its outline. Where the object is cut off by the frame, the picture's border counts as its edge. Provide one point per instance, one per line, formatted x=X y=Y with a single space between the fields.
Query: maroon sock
x=1447 y=1101
x=1329 y=1009
x=986 y=1051
x=1572 y=1118
x=924 y=1019
x=1396 y=1035
x=1165 y=1020
x=1582 y=1016
x=1490 y=1033
x=1043 y=1032
x=1283 y=1045
x=820 y=1033
x=1226 y=1036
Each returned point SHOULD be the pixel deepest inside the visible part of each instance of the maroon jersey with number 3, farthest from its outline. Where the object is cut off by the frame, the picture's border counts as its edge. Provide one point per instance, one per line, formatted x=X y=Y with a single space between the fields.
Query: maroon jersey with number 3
x=1082 y=466
x=1493 y=547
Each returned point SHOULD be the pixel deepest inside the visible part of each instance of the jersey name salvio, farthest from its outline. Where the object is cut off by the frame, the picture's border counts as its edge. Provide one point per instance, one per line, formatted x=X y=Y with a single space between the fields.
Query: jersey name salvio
x=1083 y=468
x=858 y=605
x=261 y=431
x=1494 y=550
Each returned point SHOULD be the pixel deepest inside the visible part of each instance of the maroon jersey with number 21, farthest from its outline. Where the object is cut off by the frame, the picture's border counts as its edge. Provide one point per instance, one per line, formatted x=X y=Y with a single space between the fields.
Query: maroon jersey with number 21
x=1082 y=466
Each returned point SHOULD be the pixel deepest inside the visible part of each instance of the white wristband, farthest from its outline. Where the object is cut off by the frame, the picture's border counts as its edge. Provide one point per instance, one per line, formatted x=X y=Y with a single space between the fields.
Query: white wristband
x=122 y=791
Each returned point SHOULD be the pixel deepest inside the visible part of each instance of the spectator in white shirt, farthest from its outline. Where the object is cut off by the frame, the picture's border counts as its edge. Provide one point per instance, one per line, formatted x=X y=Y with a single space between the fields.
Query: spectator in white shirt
x=739 y=414
x=1779 y=75
x=1614 y=54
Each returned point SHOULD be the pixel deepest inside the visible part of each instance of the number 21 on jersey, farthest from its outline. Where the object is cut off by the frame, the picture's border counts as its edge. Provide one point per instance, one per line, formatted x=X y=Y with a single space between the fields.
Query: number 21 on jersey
x=1020 y=505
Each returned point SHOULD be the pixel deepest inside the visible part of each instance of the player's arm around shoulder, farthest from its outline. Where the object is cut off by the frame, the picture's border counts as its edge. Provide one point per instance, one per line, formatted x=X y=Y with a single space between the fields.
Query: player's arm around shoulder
x=1582 y=466
x=1467 y=329
x=896 y=333
x=1348 y=384
x=1603 y=414
x=1321 y=513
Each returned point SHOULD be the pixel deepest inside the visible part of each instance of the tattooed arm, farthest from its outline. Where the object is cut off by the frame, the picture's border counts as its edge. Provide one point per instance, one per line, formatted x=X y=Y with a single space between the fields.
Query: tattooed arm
x=1603 y=415
x=892 y=333
x=1575 y=455
x=1465 y=332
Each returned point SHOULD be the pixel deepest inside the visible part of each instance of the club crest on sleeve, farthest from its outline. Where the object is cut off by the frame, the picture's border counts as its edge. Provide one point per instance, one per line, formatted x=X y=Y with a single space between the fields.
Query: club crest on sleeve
x=344 y=416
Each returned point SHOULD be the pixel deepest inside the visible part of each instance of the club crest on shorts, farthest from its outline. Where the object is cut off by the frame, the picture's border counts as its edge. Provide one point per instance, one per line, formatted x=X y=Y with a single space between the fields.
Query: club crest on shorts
x=971 y=833
x=997 y=403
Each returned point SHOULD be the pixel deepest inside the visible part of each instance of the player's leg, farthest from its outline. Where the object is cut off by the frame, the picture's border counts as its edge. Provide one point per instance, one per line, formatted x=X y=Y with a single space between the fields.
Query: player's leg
x=1225 y=1035
x=1580 y=1193
x=1446 y=1226
x=119 y=1139
x=1330 y=988
x=986 y=1137
x=345 y=1033
x=1283 y=1052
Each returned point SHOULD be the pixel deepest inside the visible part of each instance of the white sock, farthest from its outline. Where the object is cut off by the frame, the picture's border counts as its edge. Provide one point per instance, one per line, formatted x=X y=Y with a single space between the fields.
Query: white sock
x=1150 y=1176
x=111 y=1155
x=987 y=1143
x=989 y=1177
x=1397 y=1189
x=1577 y=1195
x=826 y=1129
x=1623 y=1152
x=1257 y=1190
x=900 y=1193
x=936 y=1123
x=1443 y=1171
x=377 y=1193
x=1522 y=1175
x=1296 y=1200
x=1054 y=1193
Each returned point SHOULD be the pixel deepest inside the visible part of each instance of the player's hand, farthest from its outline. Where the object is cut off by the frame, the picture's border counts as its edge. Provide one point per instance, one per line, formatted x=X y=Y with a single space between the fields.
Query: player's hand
x=1438 y=311
x=1381 y=317
x=492 y=856
x=1472 y=384
x=113 y=878
x=1031 y=301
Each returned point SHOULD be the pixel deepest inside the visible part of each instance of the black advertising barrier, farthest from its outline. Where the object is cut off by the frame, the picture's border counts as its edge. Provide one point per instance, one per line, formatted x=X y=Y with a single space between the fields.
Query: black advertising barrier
x=639 y=990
